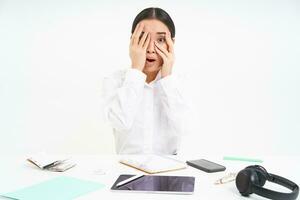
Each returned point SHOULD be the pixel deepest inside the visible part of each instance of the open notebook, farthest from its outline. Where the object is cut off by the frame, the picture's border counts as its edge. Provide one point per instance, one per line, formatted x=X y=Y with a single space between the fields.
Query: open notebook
x=52 y=163
x=152 y=163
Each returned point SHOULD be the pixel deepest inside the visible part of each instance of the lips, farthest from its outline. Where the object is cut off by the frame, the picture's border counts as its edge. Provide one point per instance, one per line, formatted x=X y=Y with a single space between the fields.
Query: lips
x=150 y=60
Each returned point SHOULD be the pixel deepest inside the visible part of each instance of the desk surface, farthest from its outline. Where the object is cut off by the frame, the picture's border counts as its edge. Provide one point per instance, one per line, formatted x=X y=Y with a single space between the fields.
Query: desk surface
x=16 y=173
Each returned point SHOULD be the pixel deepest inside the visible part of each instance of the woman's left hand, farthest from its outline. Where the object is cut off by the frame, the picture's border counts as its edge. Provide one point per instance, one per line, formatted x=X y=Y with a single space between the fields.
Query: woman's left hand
x=167 y=56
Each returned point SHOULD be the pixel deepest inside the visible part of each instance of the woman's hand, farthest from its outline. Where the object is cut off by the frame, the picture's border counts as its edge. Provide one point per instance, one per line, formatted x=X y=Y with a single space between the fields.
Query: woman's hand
x=138 y=47
x=167 y=56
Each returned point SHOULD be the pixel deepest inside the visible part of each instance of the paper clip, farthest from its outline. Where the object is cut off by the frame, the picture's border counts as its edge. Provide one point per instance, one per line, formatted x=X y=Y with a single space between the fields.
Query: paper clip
x=226 y=179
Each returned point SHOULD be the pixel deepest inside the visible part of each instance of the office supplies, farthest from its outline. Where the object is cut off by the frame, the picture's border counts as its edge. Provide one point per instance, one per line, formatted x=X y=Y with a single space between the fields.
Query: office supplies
x=129 y=180
x=46 y=162
x=61 y=166
x=242 y=159
x=59 y=188
x=152 y=163
x=253 y=178
x=206 y=165
x=156 y=184
x=226 y=179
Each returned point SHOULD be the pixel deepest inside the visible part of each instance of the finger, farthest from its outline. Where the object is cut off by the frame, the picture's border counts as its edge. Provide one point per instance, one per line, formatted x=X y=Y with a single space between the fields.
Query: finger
x=164 y=57
x=135 y=30
x=136 y=37
x=142 y=40
x=134 y=33
x=170 y=43
x=161 y=49
x=146 y=44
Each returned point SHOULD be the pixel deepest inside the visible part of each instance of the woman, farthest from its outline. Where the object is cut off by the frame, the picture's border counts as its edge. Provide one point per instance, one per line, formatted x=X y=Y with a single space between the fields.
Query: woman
x=143 y=103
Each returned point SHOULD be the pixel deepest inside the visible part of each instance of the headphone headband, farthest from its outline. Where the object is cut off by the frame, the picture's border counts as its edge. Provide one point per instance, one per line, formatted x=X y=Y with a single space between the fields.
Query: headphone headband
x=271 y=194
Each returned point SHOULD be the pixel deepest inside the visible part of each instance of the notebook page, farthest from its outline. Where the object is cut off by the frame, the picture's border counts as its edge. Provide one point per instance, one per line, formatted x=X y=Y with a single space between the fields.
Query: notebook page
x=153 y=163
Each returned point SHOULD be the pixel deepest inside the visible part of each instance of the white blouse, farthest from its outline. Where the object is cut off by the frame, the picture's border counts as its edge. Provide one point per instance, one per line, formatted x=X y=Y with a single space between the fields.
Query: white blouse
x=146 y=118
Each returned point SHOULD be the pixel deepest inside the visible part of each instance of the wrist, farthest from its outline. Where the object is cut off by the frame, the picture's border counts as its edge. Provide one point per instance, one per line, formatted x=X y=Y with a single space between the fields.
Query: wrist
x=165 y=72
x=138 y=67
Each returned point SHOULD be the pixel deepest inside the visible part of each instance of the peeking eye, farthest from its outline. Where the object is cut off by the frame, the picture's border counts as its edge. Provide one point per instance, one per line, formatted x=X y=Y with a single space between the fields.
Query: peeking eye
x=161 y=40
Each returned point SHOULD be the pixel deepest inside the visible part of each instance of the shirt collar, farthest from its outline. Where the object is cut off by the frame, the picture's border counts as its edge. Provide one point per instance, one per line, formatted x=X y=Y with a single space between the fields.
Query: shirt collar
x=157 y=78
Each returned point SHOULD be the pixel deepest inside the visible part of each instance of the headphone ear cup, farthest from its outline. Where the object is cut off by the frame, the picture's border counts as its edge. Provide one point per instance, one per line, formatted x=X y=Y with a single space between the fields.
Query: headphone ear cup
x=243 y=182
x=262 y=177
x=261 y=174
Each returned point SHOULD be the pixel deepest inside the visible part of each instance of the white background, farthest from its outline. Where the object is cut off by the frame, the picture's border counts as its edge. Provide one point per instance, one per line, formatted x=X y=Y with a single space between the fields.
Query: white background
x=241 y=59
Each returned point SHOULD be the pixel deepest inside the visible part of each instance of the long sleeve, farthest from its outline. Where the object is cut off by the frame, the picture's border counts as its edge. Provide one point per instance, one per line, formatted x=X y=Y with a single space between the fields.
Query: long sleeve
x=173 y=104
x=122 y=97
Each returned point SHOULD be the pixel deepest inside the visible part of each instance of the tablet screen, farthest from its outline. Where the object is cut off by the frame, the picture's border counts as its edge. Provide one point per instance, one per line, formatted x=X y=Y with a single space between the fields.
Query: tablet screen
x=162 y=184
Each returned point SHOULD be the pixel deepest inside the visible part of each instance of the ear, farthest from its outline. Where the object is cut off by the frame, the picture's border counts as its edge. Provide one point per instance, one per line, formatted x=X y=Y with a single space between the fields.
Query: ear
x=173 y=39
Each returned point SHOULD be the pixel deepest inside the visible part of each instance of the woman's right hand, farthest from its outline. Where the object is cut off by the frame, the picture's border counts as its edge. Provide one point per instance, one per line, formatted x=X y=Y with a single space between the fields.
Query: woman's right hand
x=138 y=47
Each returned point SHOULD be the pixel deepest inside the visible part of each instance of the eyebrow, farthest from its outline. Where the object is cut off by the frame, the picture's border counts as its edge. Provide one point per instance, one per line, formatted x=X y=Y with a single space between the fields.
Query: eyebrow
x=161 y=33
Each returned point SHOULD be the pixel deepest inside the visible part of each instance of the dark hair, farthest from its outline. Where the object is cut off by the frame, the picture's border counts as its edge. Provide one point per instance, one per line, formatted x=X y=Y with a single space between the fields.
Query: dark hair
x=155 y=13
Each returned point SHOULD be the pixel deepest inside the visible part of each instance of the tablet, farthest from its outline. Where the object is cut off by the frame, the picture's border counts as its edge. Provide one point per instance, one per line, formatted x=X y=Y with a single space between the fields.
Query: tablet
x=157 y=184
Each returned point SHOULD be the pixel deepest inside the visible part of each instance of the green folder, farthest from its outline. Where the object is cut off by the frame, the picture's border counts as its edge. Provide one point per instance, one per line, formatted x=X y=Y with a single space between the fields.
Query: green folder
x=59 y=188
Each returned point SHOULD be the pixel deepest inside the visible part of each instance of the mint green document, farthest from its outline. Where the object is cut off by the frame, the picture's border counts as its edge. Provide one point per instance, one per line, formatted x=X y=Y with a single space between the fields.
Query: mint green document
x=59 y=188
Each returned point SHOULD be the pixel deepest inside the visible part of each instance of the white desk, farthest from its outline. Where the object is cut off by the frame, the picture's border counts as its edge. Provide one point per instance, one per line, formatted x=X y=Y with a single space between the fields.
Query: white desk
x=16 y=173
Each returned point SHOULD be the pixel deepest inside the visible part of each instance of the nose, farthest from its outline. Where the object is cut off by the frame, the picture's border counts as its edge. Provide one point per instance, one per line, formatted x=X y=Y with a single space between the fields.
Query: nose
x=150 y=48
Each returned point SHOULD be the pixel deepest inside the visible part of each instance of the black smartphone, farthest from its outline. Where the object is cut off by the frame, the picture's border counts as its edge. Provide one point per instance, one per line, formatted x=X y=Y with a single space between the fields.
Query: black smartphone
x=206 y=165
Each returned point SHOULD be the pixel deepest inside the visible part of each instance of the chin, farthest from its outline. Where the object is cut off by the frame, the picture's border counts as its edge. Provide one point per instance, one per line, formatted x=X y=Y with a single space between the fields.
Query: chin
x=151 y=69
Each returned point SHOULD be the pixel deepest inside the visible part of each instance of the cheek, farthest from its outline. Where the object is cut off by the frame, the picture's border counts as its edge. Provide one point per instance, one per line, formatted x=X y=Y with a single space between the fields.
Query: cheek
x=159 y=60
x=165 y=46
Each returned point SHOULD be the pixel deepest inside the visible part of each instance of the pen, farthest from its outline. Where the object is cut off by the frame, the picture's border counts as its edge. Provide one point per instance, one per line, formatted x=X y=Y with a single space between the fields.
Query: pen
x=129 y=180
x=54 y=163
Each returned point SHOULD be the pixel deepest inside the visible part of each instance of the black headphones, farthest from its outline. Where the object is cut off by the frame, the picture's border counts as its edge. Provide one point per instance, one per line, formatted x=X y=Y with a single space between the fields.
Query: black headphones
x=253 y=178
